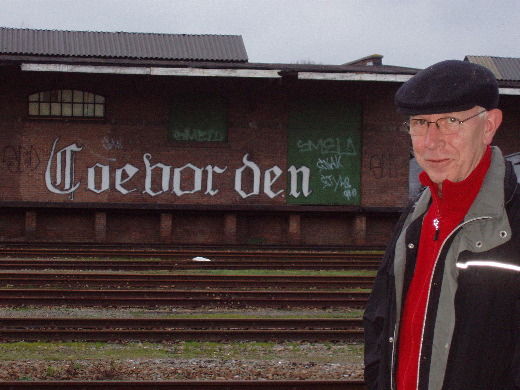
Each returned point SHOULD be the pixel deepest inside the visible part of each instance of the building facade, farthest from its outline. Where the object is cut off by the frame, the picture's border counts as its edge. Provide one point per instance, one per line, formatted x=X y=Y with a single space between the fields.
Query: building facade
x=131 y=145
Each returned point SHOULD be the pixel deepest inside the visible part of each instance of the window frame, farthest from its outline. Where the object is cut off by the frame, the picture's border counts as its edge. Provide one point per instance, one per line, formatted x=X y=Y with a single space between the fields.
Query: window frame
x=78 y=105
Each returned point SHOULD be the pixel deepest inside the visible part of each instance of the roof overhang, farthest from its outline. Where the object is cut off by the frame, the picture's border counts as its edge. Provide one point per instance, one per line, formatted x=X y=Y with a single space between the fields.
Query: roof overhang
x=154 y=71
x=207 y=72
x=509 y=91
x=227 y=72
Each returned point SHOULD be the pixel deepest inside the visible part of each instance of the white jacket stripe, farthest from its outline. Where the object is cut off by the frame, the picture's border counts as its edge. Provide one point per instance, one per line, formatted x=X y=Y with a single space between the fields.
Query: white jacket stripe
x=490 y=264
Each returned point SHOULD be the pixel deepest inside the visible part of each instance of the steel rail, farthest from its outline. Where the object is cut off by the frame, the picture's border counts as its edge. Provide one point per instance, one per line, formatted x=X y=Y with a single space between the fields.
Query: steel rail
x=17 y=264
x=182 y=294
x=157 y=335
x=195 y=283
x=188 y=385
x=175 y=252
x=87 y=259
x=186 y=281
x=139 y=262
x=182 y=298
x=185 y=303
x=160 y=329
x=131 y=275
x=179 y=323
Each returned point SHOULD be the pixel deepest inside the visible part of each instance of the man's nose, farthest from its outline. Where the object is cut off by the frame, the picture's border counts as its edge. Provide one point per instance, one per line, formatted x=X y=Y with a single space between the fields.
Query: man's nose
x=433 y=135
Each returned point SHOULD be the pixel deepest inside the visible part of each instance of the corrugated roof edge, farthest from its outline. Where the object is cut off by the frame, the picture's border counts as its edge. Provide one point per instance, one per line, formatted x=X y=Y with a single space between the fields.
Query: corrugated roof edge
x=504 y=68
x=194 y=47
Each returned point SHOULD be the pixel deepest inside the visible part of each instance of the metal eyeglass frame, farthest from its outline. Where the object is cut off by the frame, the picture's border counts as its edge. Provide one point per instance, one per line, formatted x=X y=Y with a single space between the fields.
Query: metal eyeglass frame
x=427 y=123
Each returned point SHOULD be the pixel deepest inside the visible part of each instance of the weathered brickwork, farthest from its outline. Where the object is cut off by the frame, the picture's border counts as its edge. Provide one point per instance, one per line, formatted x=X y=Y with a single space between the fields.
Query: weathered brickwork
x=110 y=185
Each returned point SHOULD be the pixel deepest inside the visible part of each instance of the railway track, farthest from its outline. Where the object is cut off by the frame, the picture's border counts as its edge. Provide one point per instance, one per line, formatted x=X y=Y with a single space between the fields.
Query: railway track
x=182 y=298
x=180 y=329
x=123 y=289
x=56 y=249
x=190 y=291
x=171 y=265
x=188 y=385
x=189 y=281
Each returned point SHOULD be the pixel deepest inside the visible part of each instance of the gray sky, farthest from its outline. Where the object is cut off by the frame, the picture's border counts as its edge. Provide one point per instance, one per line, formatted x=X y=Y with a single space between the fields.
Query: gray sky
x=412 y=33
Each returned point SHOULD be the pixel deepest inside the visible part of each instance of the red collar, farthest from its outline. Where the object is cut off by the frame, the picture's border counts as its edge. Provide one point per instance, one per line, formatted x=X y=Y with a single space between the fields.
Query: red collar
x=457 y=194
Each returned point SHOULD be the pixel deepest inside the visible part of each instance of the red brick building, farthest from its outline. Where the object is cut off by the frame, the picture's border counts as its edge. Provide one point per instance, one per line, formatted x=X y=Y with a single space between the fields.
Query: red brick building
x=178 y=139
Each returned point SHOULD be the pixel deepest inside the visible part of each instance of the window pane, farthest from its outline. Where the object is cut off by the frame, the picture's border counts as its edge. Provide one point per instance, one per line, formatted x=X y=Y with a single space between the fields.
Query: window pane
x=66 y=95
x=66 y=103
x=34 y=108
x=45 y=109
x=56 y=109
x=45 y=96
x=100 y=110
x=89 y=110
x=78 y=96
x=66 y=109
x=77 y=110
x=55 y=96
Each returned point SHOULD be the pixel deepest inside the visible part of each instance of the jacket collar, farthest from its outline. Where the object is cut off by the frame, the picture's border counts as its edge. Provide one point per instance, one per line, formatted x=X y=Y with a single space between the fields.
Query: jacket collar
x=492 y=189
x=500 y=182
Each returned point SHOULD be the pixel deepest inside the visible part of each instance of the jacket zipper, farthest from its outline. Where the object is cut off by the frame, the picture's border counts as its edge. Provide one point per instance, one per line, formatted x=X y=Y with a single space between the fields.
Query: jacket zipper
x=392 y=367
x=392 y=364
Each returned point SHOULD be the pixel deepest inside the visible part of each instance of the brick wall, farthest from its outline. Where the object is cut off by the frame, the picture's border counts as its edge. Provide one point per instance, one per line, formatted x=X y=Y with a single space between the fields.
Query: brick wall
x=137 y=112
x=12 y=224
x=64 y=225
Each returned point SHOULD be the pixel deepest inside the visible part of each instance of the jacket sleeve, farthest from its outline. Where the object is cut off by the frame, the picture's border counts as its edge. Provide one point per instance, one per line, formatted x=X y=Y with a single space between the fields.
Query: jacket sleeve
x=375 y=318
x=373 y=322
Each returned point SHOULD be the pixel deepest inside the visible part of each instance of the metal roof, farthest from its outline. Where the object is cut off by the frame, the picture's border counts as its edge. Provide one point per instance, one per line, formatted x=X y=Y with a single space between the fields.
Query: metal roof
x=504 y=68
x=179 y=47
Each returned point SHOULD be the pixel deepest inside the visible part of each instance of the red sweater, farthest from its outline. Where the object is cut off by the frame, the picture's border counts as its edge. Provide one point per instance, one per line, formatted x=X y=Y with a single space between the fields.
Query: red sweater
x=442 y=217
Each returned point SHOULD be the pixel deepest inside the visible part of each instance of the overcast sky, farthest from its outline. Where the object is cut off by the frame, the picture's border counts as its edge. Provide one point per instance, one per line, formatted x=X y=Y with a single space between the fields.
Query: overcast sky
x=411 y=33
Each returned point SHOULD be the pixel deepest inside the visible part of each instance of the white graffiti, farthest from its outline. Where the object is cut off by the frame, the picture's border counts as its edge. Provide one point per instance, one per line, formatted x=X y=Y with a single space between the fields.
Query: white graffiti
x=329 y=164
x=64 y=172
x=165 y=176
x=255 y=170
x=270 y=176
x=111 y=143
x=341 y=183
x=129 y=171
x=210 y=135
x=160 y=178
x=105 y=178
x=327 y=146
x=306 y=174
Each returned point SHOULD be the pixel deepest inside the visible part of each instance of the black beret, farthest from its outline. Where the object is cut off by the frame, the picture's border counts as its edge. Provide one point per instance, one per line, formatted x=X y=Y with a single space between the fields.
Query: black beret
x=448 y=86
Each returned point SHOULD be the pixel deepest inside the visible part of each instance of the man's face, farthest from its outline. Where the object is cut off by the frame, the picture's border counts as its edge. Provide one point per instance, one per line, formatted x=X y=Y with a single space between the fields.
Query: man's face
x=453 y=156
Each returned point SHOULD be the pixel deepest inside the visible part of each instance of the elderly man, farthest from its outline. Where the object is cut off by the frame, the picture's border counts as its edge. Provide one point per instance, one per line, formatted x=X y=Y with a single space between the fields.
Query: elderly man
x=444 y=313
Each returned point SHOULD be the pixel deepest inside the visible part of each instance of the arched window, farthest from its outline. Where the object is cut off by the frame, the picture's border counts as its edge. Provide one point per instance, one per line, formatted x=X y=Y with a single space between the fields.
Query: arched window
x=66 y=103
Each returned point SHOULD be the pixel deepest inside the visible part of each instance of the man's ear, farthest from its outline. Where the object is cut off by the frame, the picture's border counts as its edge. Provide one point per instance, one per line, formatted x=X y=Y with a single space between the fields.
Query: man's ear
x=493 y=120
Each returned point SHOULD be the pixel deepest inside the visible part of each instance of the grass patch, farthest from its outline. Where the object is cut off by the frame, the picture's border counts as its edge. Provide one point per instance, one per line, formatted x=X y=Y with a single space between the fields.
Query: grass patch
x=57 y=351
x=61 y=311
x=238 y=272
x=266 y=351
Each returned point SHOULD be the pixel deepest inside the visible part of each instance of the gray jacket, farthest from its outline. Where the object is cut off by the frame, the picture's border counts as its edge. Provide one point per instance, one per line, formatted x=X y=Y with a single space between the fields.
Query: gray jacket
x=476 y=281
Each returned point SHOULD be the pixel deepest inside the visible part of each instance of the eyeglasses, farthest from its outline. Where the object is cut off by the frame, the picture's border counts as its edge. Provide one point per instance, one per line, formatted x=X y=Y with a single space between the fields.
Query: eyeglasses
x=447 y=125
